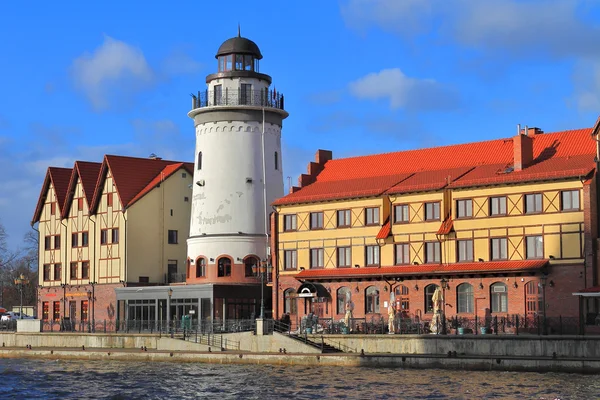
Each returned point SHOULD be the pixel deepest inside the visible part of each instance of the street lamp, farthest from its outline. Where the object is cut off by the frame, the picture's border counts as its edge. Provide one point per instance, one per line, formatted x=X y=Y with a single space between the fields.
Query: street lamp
x=542 y=284
x=169 y=294
x=444 y=283
x=261 y=271
x=20 y=281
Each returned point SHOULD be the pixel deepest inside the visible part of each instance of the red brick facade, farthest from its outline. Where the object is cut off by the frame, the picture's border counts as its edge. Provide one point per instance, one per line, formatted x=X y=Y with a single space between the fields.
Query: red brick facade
x=100 y=301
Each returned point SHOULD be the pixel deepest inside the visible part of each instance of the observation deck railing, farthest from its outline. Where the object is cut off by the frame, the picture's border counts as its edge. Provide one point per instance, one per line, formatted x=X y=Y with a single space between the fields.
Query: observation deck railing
x=237 y=97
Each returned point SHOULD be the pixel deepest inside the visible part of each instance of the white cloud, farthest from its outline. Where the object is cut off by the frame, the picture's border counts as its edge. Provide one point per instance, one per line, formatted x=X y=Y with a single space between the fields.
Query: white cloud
x=587 y=85
x=180 y=63
x=403 y=91
x=115 y=69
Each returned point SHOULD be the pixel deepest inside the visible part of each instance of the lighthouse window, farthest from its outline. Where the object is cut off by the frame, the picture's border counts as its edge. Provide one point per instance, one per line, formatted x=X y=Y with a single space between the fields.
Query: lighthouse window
x=276 y=160
x=228 y=62
x=245 y=93
x=248 y=62
x=199 y=164
x=239 y=62
x=221 y=63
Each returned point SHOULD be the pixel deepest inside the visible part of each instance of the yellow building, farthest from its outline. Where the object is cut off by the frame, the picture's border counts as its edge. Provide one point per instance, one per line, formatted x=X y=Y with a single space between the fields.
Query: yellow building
x=105 y=225
x=503 y=228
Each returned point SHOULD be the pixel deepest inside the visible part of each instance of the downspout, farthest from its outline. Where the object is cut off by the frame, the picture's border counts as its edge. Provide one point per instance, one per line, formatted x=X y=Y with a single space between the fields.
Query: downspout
x=162 y=227
x=94 y=277
x=65 y=271
x=266 y=221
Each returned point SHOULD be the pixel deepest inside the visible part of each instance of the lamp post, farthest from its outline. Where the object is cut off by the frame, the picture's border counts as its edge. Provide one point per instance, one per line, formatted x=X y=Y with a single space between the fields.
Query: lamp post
x=20 y=281
x=444 y=283
x=93 y=305
x=90 y=296
x=169 y=294
x=542 y=284
x=261 y=271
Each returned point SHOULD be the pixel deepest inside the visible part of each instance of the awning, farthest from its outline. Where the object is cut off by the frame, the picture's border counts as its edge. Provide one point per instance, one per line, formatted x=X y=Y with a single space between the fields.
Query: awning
x=312 y=289
x=385 y=230
x=589 y=292
x=446 y=227
x=416 y=271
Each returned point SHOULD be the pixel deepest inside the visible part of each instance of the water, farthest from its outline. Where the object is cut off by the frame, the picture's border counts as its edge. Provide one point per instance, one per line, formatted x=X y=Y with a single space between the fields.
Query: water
x=43 y=379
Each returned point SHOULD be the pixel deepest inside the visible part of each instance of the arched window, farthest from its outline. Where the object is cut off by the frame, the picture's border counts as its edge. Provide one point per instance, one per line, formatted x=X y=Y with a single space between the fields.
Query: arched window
x=429 y=290
x=402 y=297
x=276 y=160
x=289 y=301
x=499 y=296
x=248 y=264
x=533 y=298
x=199 y=163
x=224 y=267
x=341 y=299
x=200 y=267
x=464 y=298
x=371 y=300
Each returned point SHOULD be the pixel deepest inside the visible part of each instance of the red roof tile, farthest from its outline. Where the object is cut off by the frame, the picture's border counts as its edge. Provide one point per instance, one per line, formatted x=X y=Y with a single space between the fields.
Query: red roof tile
x=131 y=175
x=446 y=227
x=88 y=173
x=385 y=230
x=424 y=269
x=556 y=155
x=164 y=174
x=59 y=177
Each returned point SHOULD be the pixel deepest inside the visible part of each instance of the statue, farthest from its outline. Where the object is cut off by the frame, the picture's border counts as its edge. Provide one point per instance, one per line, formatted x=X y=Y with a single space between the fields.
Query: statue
x=391 y=314
x=436 y=322
x=349 y=306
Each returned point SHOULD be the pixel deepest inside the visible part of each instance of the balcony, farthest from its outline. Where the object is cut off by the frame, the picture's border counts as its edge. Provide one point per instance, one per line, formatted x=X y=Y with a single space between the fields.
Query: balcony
x=175 y=277
x=238 y=97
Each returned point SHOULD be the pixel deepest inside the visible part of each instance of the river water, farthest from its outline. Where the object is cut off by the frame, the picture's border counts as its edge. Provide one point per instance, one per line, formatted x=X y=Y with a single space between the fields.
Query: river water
x=43 y=379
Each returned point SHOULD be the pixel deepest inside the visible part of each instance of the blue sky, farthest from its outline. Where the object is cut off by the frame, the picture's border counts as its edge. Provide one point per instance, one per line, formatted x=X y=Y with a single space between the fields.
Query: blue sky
x=359 y=76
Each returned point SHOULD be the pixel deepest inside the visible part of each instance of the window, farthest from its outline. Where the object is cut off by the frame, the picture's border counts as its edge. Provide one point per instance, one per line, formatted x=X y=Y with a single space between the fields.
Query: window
x=344 y=256
x=74 y=237
x=199 y=162
x=173 y=276
x=371 y=255
x=144 y=279
x=316 y=258
x=247 y=62
x=276 y=159
x=47 y=272
x=115 y=235
x=45 y=310
x=464 y=250
x=80 y=204
x=569 y=200
x=464 y=208
x=218 y=95
x=372 y=216
x=239 y=62
x=289 y=222
x=432 y=252
x=57 y=272
x=57 y=241
x=200 y=267
x=533 y=203
x=402 y=297
x=402 y=254
x=109 y=199
x=316 y=220
x=248 y=264
x=172 y=239
x=341 y=295
x=464 y=298
x=245 y=90
x=104 y=236
x=533 y=298
x=371 y=300
x=499 y=296
x=401 y=214
x=183 y=175
x=499 y=249
x=85 y=270
x=56 y=311
x=429 y=290
x=73 y=273
x=290 y=259
x=53 y=208
x=84 y=310
x=343 y=218
x=48 y=243
x=497 y=205
x=534 y=246
x=84 y=239
x=289 y=301
x=186 y=199
x=224 y=267
x=432 y=211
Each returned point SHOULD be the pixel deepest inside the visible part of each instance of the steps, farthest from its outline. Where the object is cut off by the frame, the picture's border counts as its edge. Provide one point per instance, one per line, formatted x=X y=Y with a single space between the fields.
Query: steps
x=324 y=347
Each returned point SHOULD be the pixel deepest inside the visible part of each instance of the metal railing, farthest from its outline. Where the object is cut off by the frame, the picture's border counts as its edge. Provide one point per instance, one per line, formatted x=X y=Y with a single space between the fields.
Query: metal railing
x=10 y=325
x=238 y=97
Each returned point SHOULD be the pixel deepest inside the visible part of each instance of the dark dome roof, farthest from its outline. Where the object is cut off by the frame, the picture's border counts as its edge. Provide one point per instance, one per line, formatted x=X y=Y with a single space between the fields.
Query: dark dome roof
x=239 y=45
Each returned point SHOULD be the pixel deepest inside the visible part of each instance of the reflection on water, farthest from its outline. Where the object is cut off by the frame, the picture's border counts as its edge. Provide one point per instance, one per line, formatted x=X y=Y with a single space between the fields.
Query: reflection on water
x=41 y=379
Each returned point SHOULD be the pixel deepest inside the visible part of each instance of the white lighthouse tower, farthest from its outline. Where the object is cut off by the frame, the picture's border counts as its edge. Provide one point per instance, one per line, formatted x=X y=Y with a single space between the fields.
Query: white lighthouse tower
x=238 y=169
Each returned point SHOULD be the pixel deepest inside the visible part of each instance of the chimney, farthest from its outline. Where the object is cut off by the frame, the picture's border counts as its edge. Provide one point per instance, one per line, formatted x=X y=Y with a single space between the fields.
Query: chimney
x=523 y=151
x=531 y=132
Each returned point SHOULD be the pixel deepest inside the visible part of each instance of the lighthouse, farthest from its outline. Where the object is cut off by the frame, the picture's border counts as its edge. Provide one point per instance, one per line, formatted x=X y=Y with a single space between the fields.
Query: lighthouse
x=238 y=169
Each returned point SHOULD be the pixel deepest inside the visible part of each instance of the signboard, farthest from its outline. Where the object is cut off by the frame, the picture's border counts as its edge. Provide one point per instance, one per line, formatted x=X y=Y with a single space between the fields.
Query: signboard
x=192 y=311
x=306 y=293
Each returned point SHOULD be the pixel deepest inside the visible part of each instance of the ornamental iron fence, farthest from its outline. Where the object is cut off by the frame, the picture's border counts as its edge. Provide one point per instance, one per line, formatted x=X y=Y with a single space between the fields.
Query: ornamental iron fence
x=238 y=97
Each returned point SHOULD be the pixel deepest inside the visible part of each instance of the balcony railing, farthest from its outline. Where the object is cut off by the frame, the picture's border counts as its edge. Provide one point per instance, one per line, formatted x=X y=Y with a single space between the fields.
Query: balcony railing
x=175 y=277
x=238 y=97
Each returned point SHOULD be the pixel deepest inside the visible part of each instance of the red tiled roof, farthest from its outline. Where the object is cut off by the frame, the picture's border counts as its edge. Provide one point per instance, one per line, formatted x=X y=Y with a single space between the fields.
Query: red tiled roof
x=385 y=230
x=88 y=173
x=59 y=177
x=164 y=174
x=424 y=269
x=131 y=175
x=556 y=155
x=446 y=227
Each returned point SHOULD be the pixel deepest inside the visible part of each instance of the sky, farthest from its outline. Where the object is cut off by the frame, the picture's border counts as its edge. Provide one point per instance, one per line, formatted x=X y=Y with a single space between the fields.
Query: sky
x=359 y=77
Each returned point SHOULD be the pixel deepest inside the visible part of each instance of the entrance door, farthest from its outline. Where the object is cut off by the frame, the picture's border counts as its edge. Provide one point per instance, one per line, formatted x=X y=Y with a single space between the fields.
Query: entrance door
x=533 y=298
x=72 y=310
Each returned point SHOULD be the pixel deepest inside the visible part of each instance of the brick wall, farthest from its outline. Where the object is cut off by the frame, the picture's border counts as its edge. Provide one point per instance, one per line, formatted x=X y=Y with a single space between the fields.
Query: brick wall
x=103 y=308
